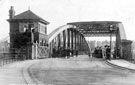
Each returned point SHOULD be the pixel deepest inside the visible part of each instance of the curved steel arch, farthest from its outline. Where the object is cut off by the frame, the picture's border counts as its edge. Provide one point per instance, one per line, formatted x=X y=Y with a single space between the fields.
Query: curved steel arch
x=67 y=37
x=93 y=28
x=122 y=31
x=108 y=28
x=54 y=33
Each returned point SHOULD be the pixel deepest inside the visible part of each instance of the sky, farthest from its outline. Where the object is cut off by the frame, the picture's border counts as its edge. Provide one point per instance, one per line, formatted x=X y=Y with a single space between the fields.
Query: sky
x=60 y=12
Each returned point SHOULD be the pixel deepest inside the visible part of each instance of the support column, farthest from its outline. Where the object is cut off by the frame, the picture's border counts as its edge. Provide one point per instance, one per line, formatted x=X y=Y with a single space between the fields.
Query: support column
x=50 y=49
x=58 y=40
x=72 y=39
x=78 y=39
x=66 y=42
x=118 y=45
x=75 y=40
x=68 y=38
x=64 y=39
x=81 y=42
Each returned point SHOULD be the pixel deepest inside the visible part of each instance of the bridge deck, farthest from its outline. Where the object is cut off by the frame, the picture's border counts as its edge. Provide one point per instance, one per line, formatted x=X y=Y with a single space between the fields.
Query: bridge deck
x=56 y=71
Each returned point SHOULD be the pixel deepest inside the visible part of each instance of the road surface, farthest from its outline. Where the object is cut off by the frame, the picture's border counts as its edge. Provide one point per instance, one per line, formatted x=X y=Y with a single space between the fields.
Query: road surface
x=79 y=71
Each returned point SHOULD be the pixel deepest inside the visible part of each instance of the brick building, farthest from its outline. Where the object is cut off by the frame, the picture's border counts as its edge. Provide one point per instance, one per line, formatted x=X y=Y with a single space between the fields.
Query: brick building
x=24 y=23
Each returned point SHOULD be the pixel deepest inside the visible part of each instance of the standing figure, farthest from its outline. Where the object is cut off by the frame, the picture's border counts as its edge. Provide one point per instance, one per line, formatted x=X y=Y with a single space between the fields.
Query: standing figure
x=89 y=54
x=100 y=52
x=108 y=56
x=54 y=52
x=114 y=53
x=76 y=53
x=104 y=52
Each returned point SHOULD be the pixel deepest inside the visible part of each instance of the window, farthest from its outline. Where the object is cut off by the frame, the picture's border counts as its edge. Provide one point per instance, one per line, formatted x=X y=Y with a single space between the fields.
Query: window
x=25 y=28
x=45 y=30
x=42 y=28
x=30 y=27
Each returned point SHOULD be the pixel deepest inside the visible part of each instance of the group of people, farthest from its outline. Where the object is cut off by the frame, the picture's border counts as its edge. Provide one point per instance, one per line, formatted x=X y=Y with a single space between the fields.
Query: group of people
x=98 y=52
x=64 y=53
x=102 y=52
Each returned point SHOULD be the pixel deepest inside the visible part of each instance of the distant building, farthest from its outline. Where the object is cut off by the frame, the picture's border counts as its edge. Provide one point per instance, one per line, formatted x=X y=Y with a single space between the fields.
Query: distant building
x=26 y=22
x=4 y=45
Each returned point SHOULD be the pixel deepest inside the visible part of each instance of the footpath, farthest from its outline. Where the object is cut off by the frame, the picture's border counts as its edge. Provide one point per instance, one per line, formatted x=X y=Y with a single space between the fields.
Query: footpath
x=122 y=63
x=16 y=73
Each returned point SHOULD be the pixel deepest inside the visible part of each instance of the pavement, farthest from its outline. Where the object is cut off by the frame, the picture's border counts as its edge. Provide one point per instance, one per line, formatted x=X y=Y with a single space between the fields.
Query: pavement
x=122 y=63
x=16 y=73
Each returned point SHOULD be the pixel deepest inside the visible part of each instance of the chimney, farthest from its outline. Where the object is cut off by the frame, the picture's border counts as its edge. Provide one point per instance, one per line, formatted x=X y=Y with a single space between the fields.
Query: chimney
x=11 y=12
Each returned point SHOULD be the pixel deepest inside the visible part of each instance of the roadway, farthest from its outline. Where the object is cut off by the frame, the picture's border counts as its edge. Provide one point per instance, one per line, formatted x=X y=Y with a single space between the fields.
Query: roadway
x=59 y=71
x=80 y=71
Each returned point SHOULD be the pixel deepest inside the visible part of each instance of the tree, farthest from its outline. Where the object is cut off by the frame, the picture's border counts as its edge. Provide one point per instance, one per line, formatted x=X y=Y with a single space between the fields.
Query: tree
x=22 y=39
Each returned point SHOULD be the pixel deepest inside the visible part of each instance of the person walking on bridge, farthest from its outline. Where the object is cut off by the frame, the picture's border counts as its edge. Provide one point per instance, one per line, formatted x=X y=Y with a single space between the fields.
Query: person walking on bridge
x=76 y=53
x=90 y=56
x=108 y=50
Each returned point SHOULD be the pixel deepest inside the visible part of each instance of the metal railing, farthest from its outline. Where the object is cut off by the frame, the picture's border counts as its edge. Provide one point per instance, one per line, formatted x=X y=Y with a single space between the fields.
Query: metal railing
x=12 y=55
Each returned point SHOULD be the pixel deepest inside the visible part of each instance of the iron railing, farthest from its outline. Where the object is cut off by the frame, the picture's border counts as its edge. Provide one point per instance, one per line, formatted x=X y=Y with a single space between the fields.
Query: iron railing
x=12 y=55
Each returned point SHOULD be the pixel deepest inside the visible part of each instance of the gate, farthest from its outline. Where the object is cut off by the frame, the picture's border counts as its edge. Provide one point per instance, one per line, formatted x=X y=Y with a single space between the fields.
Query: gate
x=42 y=51
x=39 y=51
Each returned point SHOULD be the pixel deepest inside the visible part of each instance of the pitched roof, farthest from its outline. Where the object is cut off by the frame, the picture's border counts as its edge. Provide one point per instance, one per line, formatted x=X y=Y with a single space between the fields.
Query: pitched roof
x=29 y=15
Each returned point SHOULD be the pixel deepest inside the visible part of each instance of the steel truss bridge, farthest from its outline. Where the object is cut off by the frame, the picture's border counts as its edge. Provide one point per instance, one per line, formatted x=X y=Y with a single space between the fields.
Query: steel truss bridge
x=72 y=36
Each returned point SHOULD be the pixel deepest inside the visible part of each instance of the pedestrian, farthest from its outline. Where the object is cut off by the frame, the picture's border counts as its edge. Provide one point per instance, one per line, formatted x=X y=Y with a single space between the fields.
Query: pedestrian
x=76 y=53
x=100 y=52
x=108 y=56
x=68 y=52
x=103 y=52
x=89 y=54
x=54 y=53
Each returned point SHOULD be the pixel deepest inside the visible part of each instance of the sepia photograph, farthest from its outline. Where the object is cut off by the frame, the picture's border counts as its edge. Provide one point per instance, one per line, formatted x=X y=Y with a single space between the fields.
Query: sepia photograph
x=67 y=42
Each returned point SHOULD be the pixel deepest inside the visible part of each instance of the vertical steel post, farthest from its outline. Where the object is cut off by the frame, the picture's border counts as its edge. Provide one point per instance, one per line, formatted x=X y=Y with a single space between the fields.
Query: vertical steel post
x=75 y=40
x=72 y=39
x=111 y=29
x=68 y=38
x=64 y=39
x=110 y=44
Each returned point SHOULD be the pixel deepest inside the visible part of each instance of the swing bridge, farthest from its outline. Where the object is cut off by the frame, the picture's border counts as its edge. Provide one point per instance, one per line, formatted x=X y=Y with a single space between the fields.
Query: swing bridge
x=72 y=36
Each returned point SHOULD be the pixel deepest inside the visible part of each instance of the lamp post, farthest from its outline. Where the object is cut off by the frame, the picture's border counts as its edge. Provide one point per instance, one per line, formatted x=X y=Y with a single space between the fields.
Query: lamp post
x=111 y=29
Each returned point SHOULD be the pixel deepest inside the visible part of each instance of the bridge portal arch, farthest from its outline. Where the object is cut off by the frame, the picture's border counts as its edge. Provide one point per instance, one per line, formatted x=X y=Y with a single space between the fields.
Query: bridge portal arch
x=66 y=38
x=69 y=35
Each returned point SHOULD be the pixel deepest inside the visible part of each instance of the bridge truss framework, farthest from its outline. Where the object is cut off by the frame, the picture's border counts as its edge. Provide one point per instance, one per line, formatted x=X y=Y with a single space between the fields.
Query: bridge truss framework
x=72 y=36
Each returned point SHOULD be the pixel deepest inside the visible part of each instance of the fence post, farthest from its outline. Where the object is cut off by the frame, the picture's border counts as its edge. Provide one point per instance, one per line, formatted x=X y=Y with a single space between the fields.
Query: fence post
x=32 y=51
x=36 y=49
x=28 y=55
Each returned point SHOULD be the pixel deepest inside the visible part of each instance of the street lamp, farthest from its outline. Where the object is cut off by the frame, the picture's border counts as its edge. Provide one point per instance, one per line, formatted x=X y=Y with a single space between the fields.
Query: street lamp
x=111 y=29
